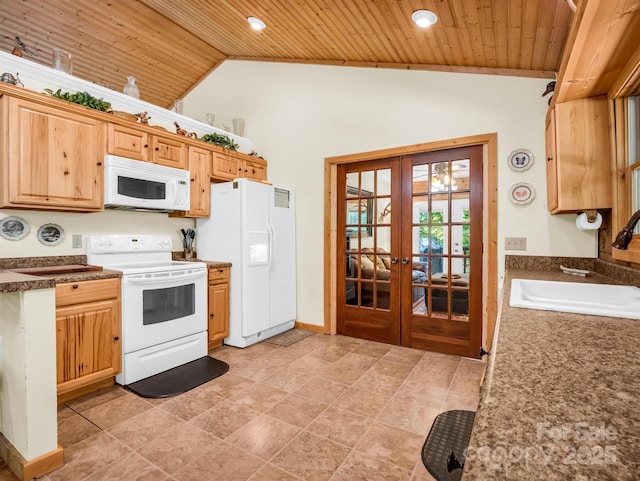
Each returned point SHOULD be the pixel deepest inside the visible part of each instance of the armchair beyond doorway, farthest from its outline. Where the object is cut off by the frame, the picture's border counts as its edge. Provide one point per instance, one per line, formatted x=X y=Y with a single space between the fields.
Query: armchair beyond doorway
x=368 y=262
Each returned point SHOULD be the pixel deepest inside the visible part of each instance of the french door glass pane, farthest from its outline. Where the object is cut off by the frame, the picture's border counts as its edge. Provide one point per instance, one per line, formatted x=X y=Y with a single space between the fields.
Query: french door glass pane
x=367 y=183
x=439 y=238
x=383 y=210
x=383 y=182
x=440 y=302
x=440 y=177
x=351 y=293
x=420 y=178
x=420 y=271
x=460 y=175
x=460 y=211
x=383 y=239
x=353 y=181
x=420 y=213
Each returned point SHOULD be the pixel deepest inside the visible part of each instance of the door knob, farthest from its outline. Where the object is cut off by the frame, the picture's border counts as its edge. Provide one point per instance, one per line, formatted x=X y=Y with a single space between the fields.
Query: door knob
x=405 y=260
x=394 y=260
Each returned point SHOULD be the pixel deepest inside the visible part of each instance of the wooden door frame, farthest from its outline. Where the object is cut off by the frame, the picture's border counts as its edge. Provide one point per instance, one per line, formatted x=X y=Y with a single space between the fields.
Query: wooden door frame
x=489 y=143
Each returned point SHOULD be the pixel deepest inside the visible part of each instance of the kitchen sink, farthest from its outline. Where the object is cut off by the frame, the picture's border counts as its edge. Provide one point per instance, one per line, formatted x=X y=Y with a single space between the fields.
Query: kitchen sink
x=53 y=270
x=583 y=298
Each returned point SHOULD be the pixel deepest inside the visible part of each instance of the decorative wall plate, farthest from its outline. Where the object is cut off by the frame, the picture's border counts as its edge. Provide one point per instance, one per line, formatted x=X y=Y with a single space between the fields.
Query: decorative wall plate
x=521 y=160
x=13 y=228
x=50 y=234
x=522 y=193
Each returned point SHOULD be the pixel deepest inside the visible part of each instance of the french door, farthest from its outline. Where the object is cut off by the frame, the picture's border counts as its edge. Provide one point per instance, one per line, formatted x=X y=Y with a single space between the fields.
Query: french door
x=410 y=250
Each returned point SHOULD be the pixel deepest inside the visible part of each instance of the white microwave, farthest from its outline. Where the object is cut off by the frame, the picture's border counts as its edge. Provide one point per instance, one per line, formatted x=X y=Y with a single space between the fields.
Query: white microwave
x=136 y=185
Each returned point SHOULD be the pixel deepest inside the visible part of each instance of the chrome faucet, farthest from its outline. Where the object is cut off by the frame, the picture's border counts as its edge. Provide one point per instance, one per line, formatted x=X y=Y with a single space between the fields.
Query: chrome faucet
x=625 y=236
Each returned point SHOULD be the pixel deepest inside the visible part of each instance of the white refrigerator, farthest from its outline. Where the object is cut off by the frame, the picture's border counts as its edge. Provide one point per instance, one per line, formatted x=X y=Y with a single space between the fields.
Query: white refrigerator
x=252 y=226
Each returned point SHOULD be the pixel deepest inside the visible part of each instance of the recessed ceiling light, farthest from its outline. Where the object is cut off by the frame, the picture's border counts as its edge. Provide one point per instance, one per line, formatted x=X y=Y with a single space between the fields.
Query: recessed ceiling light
x=256 y=23
x=424 y=18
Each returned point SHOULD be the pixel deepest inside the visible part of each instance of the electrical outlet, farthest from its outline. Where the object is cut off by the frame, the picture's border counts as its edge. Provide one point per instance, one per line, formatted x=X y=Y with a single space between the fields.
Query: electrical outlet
x=76 y=241
x=515 y=243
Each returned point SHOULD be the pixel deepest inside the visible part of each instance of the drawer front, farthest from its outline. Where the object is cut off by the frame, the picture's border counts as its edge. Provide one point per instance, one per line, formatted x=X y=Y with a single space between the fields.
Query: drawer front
x=87 y=291
x=219 y=274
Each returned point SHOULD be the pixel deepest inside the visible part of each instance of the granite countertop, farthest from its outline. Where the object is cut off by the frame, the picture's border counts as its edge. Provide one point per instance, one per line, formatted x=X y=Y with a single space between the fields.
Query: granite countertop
x=215 y=264
x=179 y=256
x=15 y=282
x=560 y=397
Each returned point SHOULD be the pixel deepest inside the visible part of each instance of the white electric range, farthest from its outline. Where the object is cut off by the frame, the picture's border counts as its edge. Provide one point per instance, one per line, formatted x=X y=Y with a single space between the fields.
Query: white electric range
x=164 y=303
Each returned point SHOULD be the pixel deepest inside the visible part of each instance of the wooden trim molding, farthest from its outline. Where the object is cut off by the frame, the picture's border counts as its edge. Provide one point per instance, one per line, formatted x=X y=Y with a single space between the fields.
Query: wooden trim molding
x=510 y=72
x=26 y=470
x=490 y=220
x=310 y=327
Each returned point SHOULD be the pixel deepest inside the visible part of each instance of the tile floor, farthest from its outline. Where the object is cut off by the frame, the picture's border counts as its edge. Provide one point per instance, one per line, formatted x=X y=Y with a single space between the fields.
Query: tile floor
x=325 y=408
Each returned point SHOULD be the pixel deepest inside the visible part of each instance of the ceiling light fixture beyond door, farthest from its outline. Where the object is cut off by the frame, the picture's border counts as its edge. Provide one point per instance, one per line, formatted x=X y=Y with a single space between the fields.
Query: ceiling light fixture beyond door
x=256 y=23
x=424 y=18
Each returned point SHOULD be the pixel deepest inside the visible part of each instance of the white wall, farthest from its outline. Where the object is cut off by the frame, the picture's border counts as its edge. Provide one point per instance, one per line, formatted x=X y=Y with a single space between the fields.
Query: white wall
x=107 y=222
x=297 y=115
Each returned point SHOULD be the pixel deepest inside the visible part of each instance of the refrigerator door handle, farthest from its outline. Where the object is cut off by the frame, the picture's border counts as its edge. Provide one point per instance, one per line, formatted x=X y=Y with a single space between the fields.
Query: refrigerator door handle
x=272 y=251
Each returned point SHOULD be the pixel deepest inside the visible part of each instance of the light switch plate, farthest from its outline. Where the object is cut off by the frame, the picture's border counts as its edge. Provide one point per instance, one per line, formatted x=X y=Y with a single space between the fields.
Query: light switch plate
x=515 y=243
x=76 y=241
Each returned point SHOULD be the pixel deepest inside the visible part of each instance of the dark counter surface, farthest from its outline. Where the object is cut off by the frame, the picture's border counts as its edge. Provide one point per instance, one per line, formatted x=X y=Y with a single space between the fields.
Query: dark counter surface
x=560 y=400
x=14 y=282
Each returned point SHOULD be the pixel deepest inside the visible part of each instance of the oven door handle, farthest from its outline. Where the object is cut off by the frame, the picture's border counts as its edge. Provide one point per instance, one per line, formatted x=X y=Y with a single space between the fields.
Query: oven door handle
x=163 y=278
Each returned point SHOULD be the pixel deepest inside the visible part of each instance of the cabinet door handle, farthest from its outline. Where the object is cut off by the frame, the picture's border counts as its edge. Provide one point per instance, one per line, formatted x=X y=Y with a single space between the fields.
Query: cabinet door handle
x=75 y=286
x=99 y=164
x=549 y=159
x=116 y=338
x=211 y=315
x=405 y=260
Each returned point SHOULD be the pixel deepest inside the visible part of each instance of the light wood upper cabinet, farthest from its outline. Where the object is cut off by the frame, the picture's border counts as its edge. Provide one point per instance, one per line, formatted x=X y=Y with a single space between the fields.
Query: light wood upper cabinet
x=50 y=159
x=218 y=327
x=138 y=144
x=128 y=142
x=88 y=334
x=169 y=152
x=255 y=169
x=224 y=166
x=227 y=166
x=578 y=156
x=200 y=189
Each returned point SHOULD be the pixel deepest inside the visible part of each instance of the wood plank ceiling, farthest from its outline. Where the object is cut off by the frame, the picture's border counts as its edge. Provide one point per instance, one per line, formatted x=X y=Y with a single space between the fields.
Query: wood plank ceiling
x=169 y=45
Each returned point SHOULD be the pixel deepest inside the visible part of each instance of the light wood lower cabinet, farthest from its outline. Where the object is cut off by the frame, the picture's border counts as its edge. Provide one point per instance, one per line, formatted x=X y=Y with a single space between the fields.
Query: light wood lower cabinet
x=218 y=305
x=88 y=335
x=51 y=159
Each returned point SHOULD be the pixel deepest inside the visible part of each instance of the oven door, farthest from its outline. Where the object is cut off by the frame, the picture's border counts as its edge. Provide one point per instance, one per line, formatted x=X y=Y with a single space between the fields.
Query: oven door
x=162 y=306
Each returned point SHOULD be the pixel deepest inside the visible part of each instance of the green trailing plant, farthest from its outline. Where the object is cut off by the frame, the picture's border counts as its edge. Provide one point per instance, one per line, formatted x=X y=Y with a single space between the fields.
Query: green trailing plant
x=81 y=98
x=223 y=141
